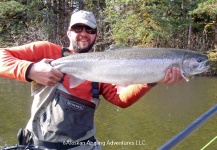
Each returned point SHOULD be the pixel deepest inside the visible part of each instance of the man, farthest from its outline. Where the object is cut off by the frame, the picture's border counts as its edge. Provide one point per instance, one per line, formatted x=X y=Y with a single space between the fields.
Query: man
x=62 y=117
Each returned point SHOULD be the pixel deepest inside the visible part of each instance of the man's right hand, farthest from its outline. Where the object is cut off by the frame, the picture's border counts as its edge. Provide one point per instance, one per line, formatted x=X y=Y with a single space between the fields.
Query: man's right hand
x=42 y=72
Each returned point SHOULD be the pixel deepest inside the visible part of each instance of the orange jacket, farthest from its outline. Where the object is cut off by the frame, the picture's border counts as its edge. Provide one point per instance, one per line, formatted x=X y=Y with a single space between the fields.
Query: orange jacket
x=15 y=63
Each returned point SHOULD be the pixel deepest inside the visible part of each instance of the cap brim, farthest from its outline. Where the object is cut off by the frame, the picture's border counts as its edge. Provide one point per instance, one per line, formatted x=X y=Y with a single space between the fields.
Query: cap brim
x=84 y=21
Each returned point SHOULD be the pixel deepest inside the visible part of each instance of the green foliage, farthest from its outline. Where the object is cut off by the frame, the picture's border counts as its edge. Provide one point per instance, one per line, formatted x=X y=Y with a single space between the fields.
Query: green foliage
x=209 y=7
x=207 y=14
x=11 y=21
x=173 y=23
x=158 y=23
x=129 y=21
x=147 y=23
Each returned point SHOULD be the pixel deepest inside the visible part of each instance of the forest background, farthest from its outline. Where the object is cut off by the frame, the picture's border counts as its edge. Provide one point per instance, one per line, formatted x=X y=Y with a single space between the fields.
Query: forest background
x=185 y=24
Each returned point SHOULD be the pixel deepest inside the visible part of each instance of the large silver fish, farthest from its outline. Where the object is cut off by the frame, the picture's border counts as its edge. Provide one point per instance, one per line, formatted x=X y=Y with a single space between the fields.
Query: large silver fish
x=127 y=66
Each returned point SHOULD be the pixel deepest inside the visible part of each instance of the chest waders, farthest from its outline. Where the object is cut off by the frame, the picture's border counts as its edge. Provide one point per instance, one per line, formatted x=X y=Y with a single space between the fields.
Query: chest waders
x=65 y=115
x=69 y=116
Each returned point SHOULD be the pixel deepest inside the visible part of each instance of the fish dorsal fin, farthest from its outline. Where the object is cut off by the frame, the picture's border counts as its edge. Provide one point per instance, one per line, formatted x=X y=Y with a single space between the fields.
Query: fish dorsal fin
x=114 y=47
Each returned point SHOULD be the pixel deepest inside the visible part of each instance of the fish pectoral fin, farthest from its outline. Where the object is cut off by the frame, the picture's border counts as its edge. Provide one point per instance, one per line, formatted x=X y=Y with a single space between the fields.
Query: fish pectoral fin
x=184 y=76
x=74 y=81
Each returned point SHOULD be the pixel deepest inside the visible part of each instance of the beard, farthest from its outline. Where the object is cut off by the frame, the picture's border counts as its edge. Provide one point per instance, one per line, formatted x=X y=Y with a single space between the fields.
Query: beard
x=79 y=49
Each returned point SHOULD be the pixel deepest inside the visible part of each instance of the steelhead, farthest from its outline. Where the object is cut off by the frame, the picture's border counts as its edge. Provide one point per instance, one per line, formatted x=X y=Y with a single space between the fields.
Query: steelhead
x=127 y=66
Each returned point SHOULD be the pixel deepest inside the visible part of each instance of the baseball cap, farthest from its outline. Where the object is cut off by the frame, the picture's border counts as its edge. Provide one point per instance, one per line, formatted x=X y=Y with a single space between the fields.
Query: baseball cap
x=83 y=17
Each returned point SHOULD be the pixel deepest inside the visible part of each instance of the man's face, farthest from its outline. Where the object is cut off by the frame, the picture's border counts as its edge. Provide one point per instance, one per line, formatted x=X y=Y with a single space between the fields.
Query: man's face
x=82 y=38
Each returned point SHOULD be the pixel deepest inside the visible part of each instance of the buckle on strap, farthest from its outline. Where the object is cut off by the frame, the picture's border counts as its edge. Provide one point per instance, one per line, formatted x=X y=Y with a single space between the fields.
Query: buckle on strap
x=65 y=144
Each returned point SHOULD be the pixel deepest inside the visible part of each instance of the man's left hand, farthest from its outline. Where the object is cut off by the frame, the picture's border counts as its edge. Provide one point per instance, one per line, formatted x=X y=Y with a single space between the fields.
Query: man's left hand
x=172 y=76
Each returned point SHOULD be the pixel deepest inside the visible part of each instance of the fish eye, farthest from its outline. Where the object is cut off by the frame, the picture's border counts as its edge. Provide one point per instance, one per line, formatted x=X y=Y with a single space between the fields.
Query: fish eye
x=200 y=60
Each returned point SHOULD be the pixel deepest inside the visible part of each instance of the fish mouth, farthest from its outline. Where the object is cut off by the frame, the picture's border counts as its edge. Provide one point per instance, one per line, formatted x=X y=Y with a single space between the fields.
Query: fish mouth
x=203 y=66
x=196 y=68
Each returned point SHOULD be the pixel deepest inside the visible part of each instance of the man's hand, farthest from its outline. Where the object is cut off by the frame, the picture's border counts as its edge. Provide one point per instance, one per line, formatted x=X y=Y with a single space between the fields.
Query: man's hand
x=172 y=76
x=42 y=72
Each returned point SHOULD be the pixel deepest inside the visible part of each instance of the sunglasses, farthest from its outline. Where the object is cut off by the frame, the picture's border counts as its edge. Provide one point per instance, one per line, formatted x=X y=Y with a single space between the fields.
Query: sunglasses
x=79 y=29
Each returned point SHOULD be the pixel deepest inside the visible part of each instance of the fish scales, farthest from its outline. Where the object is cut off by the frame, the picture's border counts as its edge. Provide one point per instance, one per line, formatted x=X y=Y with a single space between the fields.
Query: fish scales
x=103 y=66
x=129 y=65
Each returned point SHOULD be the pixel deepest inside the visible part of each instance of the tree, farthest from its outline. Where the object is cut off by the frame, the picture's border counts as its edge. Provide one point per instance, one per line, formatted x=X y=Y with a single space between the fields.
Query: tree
x=129 y=22
x=149 y=23
x=12 y=21
x=208 y=9
x=31 y=20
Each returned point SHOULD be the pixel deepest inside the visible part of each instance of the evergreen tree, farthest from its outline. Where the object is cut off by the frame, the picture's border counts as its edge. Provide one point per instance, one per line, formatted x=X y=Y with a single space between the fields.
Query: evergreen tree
x=155 y=23
x=207 y=14
x=12 y=22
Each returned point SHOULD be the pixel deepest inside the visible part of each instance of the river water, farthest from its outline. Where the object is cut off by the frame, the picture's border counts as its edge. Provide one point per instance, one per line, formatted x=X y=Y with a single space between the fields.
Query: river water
x=146 y=125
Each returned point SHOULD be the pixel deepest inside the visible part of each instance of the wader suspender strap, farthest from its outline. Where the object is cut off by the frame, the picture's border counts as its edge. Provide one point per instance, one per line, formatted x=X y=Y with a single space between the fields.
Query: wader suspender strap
x=95 y=85
x=95 y=90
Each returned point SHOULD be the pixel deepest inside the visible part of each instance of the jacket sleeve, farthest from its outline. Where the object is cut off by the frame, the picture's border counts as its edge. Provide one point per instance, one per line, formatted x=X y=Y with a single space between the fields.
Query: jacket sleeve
x=127 y=96
x=15 y=62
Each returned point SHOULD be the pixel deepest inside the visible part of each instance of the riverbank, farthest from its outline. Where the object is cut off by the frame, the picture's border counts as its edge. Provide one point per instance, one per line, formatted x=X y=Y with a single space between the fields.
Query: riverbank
x=213 y=63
